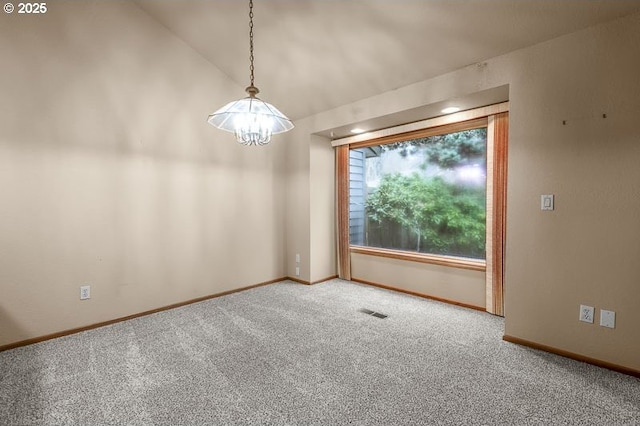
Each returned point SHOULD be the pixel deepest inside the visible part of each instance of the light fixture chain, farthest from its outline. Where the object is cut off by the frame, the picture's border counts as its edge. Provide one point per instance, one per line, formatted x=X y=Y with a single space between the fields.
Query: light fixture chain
x=251 y=39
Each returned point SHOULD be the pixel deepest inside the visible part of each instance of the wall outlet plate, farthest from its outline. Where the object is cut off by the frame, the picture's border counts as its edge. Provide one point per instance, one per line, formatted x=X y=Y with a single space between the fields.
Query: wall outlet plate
x=586 y=313
x=607 y=318
x=546 y=202
x=85 y=292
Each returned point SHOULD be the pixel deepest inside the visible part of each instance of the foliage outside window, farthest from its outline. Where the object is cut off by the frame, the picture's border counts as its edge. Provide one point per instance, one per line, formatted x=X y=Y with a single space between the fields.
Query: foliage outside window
x=425 y=195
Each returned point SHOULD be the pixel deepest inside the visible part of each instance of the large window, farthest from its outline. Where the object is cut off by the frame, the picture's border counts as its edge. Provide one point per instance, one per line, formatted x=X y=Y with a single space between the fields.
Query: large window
x=425 y=195
x=432 y=191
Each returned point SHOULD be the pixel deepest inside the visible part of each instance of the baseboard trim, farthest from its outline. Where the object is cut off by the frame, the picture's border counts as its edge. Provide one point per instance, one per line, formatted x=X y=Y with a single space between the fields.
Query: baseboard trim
x=129 y=317
x=423 y=295
x=298 y=280
x=572 y=355
x=332 y=277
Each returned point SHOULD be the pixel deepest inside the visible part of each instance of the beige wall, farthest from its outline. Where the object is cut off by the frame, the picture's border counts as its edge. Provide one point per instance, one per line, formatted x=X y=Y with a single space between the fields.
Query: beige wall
x=454 y=284
x=310 y=200
x=584 y=252
x=297 y=215
x=110 y=175
x=322 y=209
x=587 y=250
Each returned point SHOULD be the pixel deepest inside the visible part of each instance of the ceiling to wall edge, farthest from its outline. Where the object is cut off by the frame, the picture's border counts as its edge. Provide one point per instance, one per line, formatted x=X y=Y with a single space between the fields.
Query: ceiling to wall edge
x=470 y=101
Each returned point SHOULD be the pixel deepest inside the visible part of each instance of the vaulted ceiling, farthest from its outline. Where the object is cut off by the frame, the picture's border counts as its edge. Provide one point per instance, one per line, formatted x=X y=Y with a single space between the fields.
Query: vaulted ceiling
x=315 y=55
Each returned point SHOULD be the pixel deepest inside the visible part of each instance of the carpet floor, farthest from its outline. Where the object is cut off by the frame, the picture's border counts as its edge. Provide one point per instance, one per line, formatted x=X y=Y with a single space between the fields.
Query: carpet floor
x=288 y=354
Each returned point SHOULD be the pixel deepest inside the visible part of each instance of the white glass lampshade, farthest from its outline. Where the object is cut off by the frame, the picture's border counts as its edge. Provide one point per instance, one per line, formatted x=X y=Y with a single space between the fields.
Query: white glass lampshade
x=251 y=119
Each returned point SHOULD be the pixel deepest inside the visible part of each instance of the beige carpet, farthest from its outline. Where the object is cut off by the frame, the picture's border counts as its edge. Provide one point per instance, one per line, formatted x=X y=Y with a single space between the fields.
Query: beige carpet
x=298 y=355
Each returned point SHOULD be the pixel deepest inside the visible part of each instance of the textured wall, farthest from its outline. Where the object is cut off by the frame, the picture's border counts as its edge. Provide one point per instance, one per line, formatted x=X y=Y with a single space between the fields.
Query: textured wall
x=297 y=207
x=587 y=250
x=110 y=175
x=322 y=209
x=454 y=284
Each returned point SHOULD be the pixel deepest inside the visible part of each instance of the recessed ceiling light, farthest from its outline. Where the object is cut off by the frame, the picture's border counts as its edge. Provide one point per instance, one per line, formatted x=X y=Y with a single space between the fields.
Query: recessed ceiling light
x=357 y=130
x=450 y=110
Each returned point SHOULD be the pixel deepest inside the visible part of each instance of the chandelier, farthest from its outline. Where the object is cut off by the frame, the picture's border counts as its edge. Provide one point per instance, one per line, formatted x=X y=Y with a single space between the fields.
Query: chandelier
x=251 y=119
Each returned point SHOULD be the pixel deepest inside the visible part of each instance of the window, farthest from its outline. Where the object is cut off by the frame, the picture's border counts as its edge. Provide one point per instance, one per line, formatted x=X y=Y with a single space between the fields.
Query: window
x=432 y=191
x=424 y=195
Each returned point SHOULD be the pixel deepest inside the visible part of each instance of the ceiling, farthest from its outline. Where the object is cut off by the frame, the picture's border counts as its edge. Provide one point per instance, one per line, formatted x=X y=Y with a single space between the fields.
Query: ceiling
x=315 y=55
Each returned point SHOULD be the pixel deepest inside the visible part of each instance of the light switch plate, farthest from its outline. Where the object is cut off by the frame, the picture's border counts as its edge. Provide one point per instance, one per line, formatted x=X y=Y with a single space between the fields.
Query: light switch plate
x=546 y=202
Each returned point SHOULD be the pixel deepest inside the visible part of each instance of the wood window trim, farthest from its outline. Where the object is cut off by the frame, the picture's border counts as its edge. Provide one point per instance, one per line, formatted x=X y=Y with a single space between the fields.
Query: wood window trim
x=342 y=211
x=434 y=259
x=499 y=127
x=424 y=133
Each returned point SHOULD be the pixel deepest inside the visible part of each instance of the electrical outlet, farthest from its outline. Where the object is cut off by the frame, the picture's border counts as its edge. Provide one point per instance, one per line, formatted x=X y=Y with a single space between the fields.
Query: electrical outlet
x=586 y=313
x=85 y=292
x=607 y=318
x=298 y=258
x=546 y=202
x=297 y=271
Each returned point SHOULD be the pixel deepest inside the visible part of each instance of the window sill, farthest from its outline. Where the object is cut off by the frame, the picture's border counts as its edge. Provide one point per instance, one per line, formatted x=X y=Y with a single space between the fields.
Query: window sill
x=450 y=261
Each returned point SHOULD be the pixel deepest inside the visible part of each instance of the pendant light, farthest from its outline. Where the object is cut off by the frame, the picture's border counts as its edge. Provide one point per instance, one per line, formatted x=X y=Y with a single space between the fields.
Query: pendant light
x=251 y=119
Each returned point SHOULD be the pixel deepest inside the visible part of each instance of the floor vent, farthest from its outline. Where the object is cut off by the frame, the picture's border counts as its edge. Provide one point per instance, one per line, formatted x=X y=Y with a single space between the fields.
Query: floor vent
x=373 y=313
